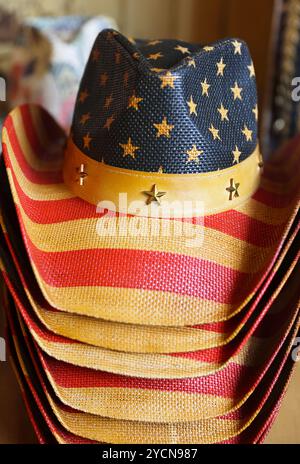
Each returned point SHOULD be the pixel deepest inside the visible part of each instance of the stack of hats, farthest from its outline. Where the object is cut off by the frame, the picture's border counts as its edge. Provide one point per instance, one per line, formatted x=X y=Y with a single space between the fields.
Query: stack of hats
x=151 y=261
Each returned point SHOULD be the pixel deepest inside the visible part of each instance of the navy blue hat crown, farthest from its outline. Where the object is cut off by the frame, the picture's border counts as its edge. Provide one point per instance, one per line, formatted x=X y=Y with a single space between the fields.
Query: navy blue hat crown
x=166 y=105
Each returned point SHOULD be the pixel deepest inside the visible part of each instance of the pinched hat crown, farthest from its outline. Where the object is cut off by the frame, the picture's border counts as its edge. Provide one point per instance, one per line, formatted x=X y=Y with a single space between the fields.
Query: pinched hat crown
x=164 y=104
x=164 y=107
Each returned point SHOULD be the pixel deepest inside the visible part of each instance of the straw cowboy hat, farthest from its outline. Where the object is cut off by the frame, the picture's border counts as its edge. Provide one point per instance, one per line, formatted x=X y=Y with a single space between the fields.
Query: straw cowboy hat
x=161 y=123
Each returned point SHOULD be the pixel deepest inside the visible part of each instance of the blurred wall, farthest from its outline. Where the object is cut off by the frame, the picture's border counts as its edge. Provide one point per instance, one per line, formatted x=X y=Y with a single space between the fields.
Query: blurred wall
x=193 y=20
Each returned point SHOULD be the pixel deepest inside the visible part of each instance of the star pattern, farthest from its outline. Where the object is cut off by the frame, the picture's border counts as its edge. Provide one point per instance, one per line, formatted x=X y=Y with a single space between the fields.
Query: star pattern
x=237 y=47
x=205 y=86
x=168 y=80
x=155 y=56
x=134 y=102
x=164 y=129
x=193 y=154
x=194 y=112
x=236 y=90
x=192 y=106
x=247 y=133
x=223 y=112
x=128 y=148
x=108 y=122
x=85 y=117
x=221 y=66
x=236 y=155
x=214 y=132
x=183 y=50
x=87 y=141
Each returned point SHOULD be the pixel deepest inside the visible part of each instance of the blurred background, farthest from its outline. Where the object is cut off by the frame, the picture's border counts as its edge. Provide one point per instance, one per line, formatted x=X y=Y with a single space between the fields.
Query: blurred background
x=43 y=48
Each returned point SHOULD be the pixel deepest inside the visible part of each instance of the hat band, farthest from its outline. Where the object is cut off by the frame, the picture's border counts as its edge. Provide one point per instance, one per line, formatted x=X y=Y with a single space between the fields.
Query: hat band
x=158 y=194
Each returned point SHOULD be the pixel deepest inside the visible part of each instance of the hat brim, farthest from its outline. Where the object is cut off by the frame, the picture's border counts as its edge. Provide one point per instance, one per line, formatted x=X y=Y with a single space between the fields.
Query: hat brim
x=190 y=364
x=129 y=279
x=245 y=426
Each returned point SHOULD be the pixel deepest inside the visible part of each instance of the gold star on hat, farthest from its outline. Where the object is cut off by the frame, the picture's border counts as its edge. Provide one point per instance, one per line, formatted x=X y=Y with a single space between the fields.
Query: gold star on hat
x=129 y=149
x=221 y=66
x=86 y=141
x=194 y=154
x=183 y=50
x=236 y=90
x=192 y=106
x=251 y=70
x=214 y=132
x=237 y=47
x=108 y=122
x=236 y=155
x=164 y=128
x=134 y=102
x=154 y=195
x=247 y=133
x=168 y=80
x=223 y=112
x=84 y=118
x=155 y=56
x=83 y=96
x=205 y=86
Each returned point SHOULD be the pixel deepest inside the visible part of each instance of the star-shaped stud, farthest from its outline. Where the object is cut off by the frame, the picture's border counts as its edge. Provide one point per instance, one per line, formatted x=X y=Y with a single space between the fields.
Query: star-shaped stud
x=247 y=133
x=129 y=149
x=233 y=189
x=95 y=54
x=83 y=96
x=168 y=80
x=108 y=122
x=152 y=43
x=82 y=174
x=223 y=112
x=154 y=195
x=221 y=66
x=236 y=155
x=183 y=50
x=155 y=56
x=251 y=70
x=237 y=47
x=236 y=90
x=205 y=86
x=192 y=106
x=208 y=48
x=214 y=132
x=191 y=62
x=134 y=101
x=193 y=154
x=103 y=79
x=87 y=141
x=108 y=101
x=163 y=129
x=160 y=170
x=85 y=117
x=255 y=112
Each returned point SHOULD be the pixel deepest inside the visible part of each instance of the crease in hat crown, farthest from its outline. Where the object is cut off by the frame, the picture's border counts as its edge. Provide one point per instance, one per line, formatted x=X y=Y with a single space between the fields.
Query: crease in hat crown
x=164 y=107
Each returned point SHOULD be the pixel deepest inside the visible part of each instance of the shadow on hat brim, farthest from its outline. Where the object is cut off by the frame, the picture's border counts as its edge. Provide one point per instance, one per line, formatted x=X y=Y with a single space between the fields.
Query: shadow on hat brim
x=132 y=280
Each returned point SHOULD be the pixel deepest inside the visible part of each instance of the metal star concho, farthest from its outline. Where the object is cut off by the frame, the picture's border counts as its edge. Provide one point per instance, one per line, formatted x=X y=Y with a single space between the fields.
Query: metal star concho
x=233 y=189
x=154 y=195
